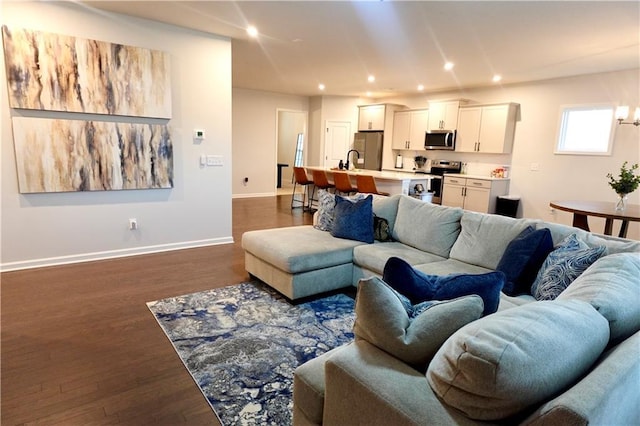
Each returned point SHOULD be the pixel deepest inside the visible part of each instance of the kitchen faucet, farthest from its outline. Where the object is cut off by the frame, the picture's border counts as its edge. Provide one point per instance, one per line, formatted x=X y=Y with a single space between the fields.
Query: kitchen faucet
x=346 y=164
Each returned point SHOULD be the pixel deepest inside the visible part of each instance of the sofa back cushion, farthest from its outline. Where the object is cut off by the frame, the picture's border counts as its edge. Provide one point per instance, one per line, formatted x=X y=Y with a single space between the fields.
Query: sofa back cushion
x=612 y=286
x=613 y=244
x=484 y=238
x=427 y=227
x=387 y=208
x=504 y=363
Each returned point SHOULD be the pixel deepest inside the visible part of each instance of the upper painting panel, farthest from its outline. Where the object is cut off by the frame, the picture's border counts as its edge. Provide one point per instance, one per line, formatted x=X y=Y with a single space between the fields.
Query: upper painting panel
x=62 y=73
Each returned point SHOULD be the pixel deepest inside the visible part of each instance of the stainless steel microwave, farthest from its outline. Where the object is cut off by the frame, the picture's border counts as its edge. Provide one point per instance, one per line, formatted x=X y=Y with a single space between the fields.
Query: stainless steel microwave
x=440 y=139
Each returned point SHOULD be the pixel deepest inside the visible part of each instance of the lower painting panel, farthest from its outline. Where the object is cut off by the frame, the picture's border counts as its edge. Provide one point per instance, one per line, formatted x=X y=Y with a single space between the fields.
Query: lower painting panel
x=77 y=155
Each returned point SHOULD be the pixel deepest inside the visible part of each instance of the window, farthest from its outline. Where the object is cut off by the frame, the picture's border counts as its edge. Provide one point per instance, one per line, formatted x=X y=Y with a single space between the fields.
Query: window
x=586 y=130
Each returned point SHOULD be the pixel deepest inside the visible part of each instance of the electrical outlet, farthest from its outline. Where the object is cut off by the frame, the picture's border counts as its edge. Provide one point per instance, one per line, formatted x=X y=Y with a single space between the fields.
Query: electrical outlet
x=133 y=224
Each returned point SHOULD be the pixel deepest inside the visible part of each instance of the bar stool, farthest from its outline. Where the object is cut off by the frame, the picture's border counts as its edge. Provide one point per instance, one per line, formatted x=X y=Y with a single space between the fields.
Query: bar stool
x=343 y=183
x=367 y=185
x=300 y=178
x=320 y=181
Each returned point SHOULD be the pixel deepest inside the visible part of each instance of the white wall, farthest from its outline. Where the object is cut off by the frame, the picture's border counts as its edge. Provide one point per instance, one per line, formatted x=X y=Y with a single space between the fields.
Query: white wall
x=561 y=177
x=254 y=139
x=39 y=229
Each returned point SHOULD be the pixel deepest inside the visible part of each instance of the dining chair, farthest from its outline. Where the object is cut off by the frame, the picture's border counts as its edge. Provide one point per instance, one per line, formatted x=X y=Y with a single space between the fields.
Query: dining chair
x=320 y=181
x=343 y=183
x=367 y=185
x=301 y=178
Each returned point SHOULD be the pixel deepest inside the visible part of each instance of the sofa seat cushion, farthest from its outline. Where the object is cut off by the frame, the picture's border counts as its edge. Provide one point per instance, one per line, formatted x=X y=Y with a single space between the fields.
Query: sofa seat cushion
x=450 y=266
x=504 y=363
x=298 y=248
x=612 y=286
x=484 y=238
x=375 y=256
x=386 y=319
x=427 y=227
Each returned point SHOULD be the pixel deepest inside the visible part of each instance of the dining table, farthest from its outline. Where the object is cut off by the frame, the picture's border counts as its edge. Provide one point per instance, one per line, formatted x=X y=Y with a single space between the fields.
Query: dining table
x=583 y=209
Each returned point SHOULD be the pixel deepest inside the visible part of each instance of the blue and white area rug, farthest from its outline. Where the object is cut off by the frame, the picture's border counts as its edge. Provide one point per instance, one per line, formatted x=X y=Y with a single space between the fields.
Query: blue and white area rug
x=241 y=344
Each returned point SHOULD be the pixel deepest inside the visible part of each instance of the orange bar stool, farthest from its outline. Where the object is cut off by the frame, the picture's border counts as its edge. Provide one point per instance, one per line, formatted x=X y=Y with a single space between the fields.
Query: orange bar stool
x=320 y=181
x=343 y=183
x=301 y=178
x=367 y=185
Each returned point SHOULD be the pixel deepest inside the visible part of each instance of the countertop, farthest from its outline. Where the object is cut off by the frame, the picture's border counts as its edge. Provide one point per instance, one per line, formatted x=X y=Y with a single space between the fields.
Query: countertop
x=482 y=177
x=382 y=175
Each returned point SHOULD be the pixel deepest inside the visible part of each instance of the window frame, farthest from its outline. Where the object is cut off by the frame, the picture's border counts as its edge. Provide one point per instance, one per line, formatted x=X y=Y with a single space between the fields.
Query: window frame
x=566 y=109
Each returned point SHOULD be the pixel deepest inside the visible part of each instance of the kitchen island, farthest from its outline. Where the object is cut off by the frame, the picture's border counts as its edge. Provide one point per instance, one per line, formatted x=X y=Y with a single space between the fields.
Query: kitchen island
x=387 y=181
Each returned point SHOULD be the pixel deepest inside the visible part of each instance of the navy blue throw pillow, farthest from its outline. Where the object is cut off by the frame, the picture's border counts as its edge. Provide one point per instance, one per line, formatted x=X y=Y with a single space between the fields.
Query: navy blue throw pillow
x=522 y=259
x=419 y=287
x=353 y=220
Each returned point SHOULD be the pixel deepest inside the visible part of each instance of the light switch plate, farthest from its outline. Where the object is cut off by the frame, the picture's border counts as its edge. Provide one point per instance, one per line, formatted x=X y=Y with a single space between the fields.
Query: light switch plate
x=214 y=160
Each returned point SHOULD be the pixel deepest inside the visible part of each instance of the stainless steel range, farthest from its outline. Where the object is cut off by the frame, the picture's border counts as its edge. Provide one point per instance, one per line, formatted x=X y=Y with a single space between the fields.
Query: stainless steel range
x=439 y=168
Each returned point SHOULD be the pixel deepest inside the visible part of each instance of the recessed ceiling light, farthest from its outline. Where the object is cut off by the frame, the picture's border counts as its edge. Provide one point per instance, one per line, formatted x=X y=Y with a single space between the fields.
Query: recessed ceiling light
x=421 y=87
x=496 y=78
x=371 y=79
x=321 y=86
x=448 y=66
x=368 y=94
x=252 y=31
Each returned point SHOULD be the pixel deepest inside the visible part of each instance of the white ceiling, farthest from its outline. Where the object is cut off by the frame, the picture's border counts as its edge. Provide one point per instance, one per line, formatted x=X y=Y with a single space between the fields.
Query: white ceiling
x=304 y=43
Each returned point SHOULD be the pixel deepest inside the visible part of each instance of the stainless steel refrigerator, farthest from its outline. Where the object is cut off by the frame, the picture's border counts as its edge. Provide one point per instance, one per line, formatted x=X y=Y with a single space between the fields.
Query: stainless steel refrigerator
x=369 y=145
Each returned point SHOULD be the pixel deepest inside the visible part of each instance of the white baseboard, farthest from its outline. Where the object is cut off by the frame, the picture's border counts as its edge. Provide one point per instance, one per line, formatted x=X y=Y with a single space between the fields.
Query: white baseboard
x=255 y=195
x=111 y=254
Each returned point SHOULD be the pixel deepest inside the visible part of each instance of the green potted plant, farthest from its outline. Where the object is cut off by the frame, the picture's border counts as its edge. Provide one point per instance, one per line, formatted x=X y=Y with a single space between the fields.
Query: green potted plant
x=627 y=183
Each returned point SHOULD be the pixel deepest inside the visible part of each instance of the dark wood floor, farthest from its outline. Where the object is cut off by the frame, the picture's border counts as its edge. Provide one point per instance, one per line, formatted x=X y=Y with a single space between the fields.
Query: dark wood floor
x=80 y=347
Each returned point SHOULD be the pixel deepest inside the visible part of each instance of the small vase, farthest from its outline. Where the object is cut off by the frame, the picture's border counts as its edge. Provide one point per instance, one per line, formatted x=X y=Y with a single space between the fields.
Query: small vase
x=622 y=202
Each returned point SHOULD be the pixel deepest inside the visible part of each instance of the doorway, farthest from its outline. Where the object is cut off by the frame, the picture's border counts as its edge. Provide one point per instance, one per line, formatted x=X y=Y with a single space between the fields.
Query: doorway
x=291 y=140
x=337 y=142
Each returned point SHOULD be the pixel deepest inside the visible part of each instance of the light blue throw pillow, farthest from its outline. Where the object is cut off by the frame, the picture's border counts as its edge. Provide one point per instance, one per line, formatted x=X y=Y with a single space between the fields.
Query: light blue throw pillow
x=563 y=265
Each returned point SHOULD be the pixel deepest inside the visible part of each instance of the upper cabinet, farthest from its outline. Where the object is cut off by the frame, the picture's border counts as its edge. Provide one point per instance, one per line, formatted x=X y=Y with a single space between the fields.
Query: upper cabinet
x=443 y=115
x=487 y=129
x=371 y=117
x=409 y=128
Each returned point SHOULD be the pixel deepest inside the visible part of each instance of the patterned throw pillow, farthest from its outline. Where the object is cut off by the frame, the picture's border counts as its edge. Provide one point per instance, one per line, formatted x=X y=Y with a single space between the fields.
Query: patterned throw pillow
x=563 y=265
x=326 y=206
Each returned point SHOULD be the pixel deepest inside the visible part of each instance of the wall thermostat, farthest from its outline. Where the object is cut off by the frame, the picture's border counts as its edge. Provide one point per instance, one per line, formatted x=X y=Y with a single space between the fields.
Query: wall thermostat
x=198 y=134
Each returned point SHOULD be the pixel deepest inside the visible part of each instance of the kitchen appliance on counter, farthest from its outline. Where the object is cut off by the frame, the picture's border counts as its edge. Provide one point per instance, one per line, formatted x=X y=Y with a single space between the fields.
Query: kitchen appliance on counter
x=440 y=168
x=440 y=139
x=369 y=145
x=422 y=164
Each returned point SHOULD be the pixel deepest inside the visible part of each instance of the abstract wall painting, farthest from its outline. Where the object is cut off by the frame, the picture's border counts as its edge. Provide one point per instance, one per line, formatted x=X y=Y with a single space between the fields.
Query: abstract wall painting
x=55 y=72
x=75 y=155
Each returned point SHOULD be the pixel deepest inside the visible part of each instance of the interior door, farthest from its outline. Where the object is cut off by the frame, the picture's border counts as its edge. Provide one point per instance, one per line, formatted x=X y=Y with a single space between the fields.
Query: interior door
x=337 y=141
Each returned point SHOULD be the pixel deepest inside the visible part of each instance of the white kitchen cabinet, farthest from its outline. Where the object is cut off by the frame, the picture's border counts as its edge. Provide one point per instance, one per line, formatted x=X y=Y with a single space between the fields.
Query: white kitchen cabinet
x=487 y=129
x=475 y=194
x=371 y=117
x=443 y=115
x=409 y=128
